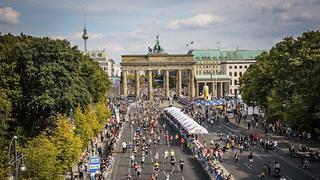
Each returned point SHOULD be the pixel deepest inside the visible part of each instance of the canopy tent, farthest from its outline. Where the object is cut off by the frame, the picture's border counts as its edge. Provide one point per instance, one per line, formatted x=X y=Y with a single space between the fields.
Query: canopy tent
x=190 y=125
x=209 y=102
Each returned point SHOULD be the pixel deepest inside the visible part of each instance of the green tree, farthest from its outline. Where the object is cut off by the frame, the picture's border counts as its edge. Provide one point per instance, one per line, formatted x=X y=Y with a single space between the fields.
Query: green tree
x=257 y=82
x=68 y=144
x=286 y=81
x=41 y=159
x=103 y=112
x=95 y=79
x=43 y=77
x=92 y=117
x=83 y=126
x=5 y=108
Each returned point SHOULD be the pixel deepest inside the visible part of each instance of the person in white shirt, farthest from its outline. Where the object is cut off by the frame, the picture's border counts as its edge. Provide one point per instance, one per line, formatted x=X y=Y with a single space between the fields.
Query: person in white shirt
x=124 y=146
x=166 y=153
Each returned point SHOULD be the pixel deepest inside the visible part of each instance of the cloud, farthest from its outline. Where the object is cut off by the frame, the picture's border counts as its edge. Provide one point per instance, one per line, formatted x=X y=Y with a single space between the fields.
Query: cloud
x=296 y=17
x=279 y=7
x=9 y=16
x=114 y=47
x=198 y=21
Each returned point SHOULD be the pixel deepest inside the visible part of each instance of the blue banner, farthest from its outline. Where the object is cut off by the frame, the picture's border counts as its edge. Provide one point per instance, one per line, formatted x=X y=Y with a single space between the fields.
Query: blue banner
x=94 y=164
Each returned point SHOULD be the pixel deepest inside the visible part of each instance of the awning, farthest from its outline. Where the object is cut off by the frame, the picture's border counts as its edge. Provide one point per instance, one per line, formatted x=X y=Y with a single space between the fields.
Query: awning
x=209 y=102
x=190 y=125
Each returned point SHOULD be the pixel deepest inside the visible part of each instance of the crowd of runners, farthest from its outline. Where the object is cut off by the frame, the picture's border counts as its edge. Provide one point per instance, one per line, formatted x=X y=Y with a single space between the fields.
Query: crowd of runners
x=148 y=133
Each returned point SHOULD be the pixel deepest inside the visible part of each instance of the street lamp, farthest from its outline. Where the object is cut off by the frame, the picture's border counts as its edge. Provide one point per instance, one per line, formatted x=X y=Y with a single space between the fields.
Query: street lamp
x=17 y=158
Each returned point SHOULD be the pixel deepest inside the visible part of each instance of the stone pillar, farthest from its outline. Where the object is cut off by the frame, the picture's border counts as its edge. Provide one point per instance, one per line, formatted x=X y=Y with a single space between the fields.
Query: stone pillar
x=192 y=86
x=178 y=83
x=228 y=87
x=221 y=89
x=137 y=73
x=213 y=89
x=124 y=83
x=150 y=85
x=166 y=83
x=197 y=89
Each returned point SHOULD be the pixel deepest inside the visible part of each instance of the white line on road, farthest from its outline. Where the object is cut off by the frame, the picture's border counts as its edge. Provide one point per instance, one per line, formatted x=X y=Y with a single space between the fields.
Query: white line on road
x=289 y=178
x=247 y=166
x=259 y=157
x=182 y=177
x=151 y=159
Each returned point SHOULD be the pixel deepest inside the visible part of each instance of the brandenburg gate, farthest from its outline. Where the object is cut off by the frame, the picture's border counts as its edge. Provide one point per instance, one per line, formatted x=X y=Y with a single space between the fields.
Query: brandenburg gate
x=156 y=60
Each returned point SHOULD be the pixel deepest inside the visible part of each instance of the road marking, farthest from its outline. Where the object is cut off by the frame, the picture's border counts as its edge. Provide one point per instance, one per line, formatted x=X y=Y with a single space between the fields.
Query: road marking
x=259 y=157
x=178 y=167
x=151 y=159
x=182 y=177
x=247 y=166
x=129 y=168
x=288 y=177
x=164 y=173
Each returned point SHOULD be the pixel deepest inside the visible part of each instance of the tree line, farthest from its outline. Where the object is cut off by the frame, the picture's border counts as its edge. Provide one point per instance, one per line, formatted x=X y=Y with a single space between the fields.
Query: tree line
x=285 y=82
x=42 y=82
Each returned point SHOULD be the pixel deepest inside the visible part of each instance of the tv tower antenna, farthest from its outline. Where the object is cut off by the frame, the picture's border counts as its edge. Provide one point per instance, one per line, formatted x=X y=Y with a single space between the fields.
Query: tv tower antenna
x=85 y=36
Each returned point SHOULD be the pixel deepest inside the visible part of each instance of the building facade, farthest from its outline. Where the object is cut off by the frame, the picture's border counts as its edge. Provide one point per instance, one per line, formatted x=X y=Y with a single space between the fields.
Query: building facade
x=107 y=65
x=221 y=66
x=116 y=70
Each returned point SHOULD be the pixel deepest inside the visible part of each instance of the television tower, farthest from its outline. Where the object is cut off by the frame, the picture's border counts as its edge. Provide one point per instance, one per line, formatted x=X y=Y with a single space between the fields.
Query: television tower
x=85 y=36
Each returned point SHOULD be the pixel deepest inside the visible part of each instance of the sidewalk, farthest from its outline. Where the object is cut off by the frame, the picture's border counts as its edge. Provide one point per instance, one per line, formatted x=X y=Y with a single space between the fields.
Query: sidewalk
x=75 y=167
x=103 y=144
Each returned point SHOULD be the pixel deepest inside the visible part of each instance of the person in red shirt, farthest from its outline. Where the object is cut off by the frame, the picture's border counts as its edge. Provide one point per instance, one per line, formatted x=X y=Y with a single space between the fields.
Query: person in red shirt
x=182 y=142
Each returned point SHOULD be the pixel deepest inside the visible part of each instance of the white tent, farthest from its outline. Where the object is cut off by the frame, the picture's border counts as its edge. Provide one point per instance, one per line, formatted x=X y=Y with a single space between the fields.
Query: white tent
x=190 y=125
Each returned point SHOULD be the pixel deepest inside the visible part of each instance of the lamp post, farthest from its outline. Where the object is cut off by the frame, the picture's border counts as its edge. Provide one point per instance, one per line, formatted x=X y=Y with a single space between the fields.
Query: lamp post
x=17 y=158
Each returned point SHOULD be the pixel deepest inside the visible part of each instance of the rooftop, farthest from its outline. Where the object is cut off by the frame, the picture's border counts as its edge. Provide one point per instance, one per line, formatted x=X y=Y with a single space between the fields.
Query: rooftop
x=216 y=54
x=213 y=76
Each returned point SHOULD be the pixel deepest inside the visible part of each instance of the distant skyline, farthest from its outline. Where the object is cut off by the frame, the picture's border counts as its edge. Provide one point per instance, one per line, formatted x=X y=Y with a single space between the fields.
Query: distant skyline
x=129 y=27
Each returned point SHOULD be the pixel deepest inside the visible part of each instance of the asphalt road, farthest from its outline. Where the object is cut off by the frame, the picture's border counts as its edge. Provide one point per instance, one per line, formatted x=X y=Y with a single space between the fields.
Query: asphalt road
x=192 y=168
x=290 y=167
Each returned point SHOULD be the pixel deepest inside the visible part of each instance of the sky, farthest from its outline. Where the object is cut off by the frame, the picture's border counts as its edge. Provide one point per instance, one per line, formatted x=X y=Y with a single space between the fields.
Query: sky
x=130 y=26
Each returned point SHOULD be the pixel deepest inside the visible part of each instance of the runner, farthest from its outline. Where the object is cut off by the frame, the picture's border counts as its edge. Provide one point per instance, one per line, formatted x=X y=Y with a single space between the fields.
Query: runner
x=237 y=157
x=173 y=163
x=181 y=164
x=250 y=157
x=166 y=153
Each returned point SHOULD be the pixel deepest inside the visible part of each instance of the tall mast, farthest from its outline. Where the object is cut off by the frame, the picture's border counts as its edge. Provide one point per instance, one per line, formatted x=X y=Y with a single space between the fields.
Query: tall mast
x=85 y=36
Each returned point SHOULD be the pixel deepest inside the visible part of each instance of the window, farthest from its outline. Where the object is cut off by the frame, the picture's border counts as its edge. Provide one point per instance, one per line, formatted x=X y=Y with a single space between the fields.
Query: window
x=230 y=73
x=240 y=74
x=240 y=67
x=245 y=67
x=231 y=82
x=230 y=67
x=235 y=74
x=235 y=82
x=235 y=67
